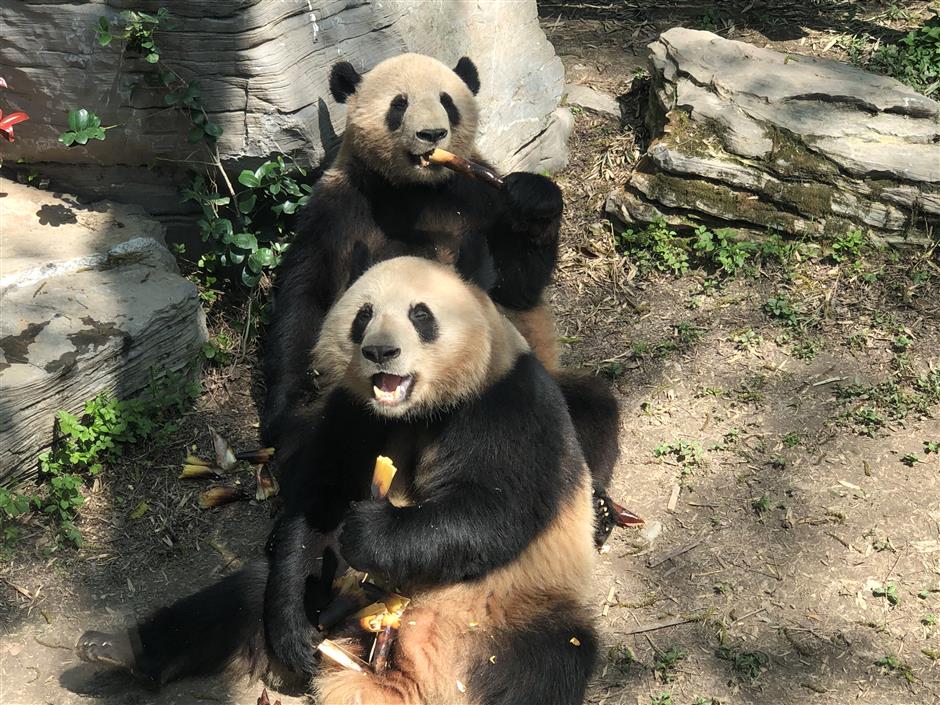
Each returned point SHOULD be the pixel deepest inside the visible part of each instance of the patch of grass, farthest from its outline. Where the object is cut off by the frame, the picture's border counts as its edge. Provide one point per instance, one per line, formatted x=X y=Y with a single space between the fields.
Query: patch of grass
x=929 y=620
x=931 y=447
x=661 y=699
x=889 y=401
x=914 y=60
x=910 y=460
x=666 y=662
x=892 y=664
x=745 y=665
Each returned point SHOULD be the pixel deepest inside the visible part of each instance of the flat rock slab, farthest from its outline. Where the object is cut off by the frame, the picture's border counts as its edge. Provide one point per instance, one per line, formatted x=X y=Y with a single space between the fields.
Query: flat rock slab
x=592 y=99
x=92 y=301
x=756 y=139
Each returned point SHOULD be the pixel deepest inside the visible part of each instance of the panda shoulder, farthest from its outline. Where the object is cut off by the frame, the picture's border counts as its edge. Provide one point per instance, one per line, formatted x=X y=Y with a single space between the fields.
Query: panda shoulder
x=527 y=389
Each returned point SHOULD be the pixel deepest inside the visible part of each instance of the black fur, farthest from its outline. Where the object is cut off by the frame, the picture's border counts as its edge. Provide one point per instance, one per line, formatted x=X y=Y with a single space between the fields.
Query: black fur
x=343 y=81
x=396 y=112
x=467 y=71
x=359 y=324
x=551 y=676
x=424 y=323
x=453 y=113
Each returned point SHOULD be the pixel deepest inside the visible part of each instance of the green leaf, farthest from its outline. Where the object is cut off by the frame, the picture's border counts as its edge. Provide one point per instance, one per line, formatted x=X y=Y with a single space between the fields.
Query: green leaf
x=246 y=241
x=249 y=279
x=259 y=259
x=289 y=207
x=104 y=38
x=152 y=58
x=249 y=179
x=213 y=129
x=195 y=134
x=246 y=205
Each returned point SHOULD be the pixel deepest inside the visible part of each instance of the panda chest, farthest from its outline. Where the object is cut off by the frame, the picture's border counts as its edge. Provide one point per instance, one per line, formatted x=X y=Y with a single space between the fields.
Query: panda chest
x=430 y=226
x=411 y=452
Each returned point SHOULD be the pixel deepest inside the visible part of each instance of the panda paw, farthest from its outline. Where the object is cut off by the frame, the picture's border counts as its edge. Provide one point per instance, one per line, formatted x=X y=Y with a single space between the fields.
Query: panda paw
x=294 y=643
x=362 y=534
x=532 y=199
x=109 y=649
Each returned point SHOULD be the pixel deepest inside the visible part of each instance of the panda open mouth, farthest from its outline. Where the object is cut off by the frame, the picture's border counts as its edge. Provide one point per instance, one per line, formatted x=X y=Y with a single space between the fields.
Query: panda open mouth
x=421 y=160
x=391 y=390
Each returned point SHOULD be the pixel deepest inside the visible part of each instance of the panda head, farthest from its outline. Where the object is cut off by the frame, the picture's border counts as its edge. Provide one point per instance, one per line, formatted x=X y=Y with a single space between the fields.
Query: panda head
x=403 y=109
x=410 y=338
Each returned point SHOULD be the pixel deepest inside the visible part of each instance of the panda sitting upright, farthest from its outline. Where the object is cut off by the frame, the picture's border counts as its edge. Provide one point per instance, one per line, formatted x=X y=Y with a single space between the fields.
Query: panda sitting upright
x=488 y=531
x=378 y=200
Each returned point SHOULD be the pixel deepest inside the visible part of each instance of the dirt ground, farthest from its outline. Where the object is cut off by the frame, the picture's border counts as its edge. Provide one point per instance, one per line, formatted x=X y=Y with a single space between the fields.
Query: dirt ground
x=774 y=523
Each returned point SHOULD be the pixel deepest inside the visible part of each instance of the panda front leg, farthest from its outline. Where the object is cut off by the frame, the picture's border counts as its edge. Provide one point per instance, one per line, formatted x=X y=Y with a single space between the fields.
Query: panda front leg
x=217 y=627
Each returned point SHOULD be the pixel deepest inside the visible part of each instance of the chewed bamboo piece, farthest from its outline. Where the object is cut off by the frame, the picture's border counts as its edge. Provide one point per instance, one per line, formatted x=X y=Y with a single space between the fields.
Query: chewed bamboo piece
x=339 y=655
x=466 y=167
x=382 y=477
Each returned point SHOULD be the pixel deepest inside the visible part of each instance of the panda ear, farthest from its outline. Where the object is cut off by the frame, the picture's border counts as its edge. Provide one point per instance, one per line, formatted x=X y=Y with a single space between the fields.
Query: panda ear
x=468 y=72
x=343 y=81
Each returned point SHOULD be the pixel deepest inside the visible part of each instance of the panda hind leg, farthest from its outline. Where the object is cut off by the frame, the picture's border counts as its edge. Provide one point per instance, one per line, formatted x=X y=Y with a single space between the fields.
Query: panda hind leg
x=596 y=417
x=549 y=662
x=217 y=627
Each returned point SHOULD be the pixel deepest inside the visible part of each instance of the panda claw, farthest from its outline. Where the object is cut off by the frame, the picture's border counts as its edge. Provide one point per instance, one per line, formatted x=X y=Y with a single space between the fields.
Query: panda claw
x=109 y=649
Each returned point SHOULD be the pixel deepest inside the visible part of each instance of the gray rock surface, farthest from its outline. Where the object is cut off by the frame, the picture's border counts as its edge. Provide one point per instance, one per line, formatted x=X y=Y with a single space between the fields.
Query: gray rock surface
x=592 y=99
x=751 y=138
x=92 y=301
x=263 y=67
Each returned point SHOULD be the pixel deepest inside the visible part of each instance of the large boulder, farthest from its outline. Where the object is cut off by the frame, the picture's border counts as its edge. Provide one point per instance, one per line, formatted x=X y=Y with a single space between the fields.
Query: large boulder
x=751 y=138
x=263 y=68
x=92 y=300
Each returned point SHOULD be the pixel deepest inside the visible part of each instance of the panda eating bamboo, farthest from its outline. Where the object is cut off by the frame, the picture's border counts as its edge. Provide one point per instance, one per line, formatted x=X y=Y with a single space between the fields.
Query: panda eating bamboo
x=488 y=531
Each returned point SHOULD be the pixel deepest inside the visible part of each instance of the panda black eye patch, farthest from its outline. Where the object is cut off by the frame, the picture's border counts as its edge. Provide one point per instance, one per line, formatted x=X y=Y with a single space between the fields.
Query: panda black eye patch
x=424 y=322
x=452 y=113
x=360 y=322
x=396 y=112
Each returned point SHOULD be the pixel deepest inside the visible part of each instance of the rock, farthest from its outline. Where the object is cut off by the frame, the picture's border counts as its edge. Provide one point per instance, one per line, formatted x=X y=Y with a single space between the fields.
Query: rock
x=92 y=300
x=263 y=69
x=592 y=99
x=753 y=139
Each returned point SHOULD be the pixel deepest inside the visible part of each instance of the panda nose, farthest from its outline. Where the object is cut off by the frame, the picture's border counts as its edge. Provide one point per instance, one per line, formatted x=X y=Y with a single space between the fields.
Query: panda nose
x=380 y=353
x=432 y=136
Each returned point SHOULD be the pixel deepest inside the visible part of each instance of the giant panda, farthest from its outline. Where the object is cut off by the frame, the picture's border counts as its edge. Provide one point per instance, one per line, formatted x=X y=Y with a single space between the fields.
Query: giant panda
x=378 y=200
x=489 y=530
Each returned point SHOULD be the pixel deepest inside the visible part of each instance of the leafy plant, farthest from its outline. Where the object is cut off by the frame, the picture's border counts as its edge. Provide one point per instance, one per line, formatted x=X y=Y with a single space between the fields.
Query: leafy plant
x=892 y=664
x=849 y=246
x=82 y=445
x=889 y=591
x=661 y=699
x=746 y=665
x=685 y=452
x=247 y=231
x=762 y=504
x=915 y=59
x=83 y=126
x=658 y=247
x=665 y=664
x=722 y=250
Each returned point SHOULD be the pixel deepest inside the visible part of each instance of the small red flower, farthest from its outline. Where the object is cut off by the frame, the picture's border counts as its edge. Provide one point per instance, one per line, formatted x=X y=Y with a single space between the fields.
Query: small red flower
x=7 y=122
